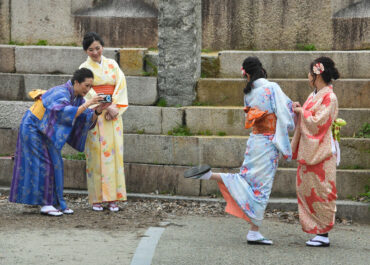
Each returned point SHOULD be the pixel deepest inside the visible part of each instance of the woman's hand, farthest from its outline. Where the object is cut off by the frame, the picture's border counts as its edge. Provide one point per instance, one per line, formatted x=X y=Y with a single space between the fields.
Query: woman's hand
x=102 y=106
x=112 y=112
x=94 y=100
x=296 y=104
x=297 y=110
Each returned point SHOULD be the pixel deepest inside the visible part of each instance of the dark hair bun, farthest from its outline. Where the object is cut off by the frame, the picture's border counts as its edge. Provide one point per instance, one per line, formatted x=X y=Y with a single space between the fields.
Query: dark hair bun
x=89 y=38
x=330 y=71
x=253 y=67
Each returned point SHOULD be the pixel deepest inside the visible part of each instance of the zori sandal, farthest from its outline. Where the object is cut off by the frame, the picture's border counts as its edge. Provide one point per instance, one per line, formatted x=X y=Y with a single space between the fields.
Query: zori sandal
x=50 y=210
x=197 y=172
x=113 y=207
x=97 y=207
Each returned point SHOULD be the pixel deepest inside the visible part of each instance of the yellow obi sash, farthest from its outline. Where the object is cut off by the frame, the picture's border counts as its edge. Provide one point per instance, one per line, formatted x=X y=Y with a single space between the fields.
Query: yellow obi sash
x=37 y=108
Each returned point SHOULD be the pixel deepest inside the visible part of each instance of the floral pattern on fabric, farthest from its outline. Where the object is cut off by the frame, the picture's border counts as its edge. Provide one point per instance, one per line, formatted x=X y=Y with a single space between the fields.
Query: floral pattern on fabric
x=104 y=145
x=312 y=146
x=251 y=187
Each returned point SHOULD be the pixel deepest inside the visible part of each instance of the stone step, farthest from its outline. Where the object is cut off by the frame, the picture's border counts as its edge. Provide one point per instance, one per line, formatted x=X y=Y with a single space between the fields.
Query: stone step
x=295 y=64
x=351 y=93
x=199 y=120
x=145 y=178
x=217 y=151
x=140 y=90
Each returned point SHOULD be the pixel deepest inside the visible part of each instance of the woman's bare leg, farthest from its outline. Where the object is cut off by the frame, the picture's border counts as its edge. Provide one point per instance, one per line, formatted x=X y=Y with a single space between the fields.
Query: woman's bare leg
x=216 y=176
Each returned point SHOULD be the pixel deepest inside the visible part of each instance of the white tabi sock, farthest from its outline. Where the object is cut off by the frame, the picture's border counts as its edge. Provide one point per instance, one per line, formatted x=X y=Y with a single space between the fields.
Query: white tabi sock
x=318 y=239
x=254 y=235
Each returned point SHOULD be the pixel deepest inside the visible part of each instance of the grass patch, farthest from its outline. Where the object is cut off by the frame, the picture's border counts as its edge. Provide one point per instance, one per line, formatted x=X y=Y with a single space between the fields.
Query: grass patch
x=221 y=134
x=78 y=156
x=42 y=43
x=161 y=103
x=364 y=132
x=199 y=104
x=306 y=47
x=181 y=130
x=16 y=43
x=140 y=131
x=206 y=132
x=362 y=197
x=154 y=68
x=353 y=167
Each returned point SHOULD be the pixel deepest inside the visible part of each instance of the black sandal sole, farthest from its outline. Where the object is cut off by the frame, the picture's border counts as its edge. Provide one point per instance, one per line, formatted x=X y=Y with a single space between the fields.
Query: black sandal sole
x=258 y=243
x=197 y=172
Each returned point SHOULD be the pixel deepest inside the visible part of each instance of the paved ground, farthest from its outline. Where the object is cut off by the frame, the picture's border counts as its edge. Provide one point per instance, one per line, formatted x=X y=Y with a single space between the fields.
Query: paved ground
x=195 y=233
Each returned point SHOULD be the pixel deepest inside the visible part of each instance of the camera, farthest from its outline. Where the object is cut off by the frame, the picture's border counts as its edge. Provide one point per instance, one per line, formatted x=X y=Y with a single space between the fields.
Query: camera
x=106 y=98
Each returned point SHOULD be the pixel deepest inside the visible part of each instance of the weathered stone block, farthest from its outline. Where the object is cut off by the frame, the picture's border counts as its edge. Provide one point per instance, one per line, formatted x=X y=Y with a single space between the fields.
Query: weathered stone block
x=8 y=141
x=179 y=45
x=142 y=178
x=132 y=60
x=171 y=118
x=11 y=86
x=75 y=174
x=142 y=90
x=294 y=64
x=142 y=119
x=7 y=58
x=12 y=112
x=52 y=59
x=228 y=120
x=4 y=21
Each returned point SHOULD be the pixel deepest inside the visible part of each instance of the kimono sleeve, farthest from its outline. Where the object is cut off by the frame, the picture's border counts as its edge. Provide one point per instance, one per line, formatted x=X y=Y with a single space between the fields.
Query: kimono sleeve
x=83 y=123
x=282 y=107
x=120 y=91
x=59 y=118
x=316 y=123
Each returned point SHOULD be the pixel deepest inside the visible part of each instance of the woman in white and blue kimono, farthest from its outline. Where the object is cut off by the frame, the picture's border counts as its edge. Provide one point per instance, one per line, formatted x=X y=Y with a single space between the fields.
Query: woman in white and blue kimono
x=58 y=115
x=269 y=113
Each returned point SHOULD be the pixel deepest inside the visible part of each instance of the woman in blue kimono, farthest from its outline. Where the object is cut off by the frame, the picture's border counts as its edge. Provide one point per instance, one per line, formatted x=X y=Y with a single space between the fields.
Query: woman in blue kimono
x=269 y=113
x=58 y=115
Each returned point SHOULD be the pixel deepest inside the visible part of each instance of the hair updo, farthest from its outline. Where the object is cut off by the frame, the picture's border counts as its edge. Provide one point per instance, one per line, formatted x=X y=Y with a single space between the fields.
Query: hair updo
x=81 y=74
x=89 y=38
x=253 y=67
x=330 y=71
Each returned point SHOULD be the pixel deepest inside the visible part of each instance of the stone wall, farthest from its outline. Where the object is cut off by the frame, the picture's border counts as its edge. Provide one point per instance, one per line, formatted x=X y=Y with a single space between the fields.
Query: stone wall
x=4 y=21
x=266 y=24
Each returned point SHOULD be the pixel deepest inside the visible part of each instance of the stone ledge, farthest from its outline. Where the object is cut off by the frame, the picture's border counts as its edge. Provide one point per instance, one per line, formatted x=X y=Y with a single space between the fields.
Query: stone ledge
x=351 y=93
x=294 y=64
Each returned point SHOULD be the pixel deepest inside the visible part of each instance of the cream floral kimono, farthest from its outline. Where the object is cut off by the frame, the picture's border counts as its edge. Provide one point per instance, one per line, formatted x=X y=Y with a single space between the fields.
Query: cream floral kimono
x=313 y=147
x=104 y=144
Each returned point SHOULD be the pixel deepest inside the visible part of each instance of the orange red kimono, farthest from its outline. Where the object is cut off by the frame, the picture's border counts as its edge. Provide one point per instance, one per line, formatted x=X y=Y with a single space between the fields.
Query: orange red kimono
x=314 y=149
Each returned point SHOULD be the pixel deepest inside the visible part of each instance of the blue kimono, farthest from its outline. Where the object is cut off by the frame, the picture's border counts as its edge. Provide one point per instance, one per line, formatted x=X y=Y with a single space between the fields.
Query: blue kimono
x=38 y=176
x=251 y=187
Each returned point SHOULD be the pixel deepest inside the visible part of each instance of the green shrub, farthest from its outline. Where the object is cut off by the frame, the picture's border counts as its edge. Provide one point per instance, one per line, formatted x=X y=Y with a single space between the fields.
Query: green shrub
x=42 y=42
x=78 y=156
x=221 y=134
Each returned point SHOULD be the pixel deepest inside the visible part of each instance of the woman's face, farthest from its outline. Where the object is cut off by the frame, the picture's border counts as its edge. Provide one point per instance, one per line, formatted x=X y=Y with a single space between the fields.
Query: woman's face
x=311 y=80
x=95 y=51
x=84 y=87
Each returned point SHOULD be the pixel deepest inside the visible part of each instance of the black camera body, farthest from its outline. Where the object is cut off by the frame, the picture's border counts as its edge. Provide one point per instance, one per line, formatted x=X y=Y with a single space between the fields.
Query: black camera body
x=106 y=98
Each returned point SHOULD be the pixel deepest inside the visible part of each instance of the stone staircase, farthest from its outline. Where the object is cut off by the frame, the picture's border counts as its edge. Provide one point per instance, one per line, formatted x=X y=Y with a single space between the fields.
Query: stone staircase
x=154 y=160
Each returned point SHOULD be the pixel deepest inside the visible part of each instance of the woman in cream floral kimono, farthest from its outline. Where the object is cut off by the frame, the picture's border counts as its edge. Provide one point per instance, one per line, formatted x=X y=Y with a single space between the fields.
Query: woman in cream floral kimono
x=316 y=152
x=104 y=144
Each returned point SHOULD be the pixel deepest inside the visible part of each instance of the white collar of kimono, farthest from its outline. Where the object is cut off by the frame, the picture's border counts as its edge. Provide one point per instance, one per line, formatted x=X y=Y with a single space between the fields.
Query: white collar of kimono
x=93 y=62
x=260 y=82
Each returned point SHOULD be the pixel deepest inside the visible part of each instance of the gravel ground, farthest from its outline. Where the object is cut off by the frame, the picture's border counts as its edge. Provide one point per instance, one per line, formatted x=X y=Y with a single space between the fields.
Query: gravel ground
x=135 y=213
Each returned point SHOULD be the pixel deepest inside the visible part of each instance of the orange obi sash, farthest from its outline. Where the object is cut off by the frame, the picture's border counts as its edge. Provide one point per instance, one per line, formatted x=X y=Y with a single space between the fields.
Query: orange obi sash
x=104 y=89
x=262 y=121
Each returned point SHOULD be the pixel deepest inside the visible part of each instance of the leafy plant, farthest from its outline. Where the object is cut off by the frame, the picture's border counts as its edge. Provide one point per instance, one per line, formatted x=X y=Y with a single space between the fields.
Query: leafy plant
x=16 y=43
x=154 y=71
x=162 y=103
x=306 y=47
x=181 y=130
x=364 y=132
x=140 y=131
x=221 y=133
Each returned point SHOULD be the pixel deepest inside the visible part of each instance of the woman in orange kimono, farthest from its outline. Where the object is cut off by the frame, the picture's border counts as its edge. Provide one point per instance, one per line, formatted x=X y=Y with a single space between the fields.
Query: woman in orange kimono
x=314 y=148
